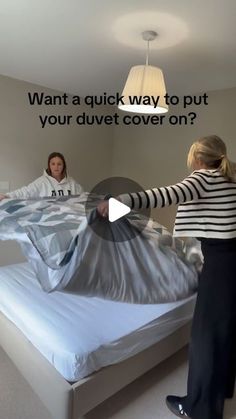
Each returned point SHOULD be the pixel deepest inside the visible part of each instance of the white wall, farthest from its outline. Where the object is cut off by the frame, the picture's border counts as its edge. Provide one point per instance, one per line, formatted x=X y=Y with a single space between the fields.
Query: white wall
x=24 y=145
x=156 y=155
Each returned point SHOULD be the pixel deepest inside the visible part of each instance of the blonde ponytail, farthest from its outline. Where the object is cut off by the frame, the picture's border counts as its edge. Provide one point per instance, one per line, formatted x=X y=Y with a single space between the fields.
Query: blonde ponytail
x=211 y=151
x=227 y=168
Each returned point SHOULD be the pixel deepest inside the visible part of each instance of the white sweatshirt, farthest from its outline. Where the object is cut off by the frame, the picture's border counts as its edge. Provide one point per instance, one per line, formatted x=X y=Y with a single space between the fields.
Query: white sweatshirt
x=47 y=186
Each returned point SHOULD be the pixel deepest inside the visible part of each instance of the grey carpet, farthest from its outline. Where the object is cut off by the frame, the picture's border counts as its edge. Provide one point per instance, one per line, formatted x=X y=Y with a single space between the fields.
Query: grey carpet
x=143 y=399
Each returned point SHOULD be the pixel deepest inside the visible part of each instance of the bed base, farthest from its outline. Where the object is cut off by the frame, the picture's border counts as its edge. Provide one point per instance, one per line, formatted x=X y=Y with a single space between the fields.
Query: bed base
x=72 y=401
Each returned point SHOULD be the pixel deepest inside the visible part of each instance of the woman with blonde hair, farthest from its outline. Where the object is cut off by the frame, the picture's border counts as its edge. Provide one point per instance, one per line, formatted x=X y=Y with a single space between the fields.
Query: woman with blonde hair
x=207 y=211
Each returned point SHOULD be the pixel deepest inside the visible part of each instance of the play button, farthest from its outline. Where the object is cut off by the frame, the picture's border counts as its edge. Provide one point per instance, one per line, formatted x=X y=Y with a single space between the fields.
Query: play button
x=116 y=210
x=122 y=223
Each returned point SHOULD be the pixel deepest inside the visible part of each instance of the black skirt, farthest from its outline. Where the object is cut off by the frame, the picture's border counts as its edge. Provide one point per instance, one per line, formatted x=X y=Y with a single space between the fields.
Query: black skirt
x=212 y=353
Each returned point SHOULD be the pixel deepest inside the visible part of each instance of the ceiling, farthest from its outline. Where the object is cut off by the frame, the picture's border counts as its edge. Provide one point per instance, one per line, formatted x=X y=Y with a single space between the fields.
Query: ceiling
x=87 y=47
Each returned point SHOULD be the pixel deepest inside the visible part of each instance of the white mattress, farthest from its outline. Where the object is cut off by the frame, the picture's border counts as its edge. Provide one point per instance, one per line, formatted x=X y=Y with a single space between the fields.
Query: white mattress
x=79 y=335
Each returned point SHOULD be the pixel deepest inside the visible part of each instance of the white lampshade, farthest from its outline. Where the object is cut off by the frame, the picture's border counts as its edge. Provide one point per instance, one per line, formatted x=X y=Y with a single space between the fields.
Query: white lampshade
x=145 y=81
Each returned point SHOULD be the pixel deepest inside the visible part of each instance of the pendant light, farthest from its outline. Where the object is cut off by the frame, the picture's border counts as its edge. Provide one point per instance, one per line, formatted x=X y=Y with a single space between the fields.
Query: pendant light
x=145 y=83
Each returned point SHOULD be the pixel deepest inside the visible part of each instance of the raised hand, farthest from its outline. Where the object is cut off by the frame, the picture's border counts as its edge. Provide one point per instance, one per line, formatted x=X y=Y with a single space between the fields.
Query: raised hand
x=102 y=208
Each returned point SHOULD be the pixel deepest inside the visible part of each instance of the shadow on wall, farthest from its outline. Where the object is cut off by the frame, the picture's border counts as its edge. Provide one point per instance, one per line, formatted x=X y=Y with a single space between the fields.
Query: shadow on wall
x=165 y=216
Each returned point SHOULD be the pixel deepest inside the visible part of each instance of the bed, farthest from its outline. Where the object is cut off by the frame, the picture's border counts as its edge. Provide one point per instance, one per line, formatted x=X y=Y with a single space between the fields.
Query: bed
x=123 y=340
x=78 y=326
x=59 y=237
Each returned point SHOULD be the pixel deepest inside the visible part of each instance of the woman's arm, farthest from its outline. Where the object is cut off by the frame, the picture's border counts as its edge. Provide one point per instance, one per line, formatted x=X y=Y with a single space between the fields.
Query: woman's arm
x=187 y=190
x=26 y=192
x=191 y=188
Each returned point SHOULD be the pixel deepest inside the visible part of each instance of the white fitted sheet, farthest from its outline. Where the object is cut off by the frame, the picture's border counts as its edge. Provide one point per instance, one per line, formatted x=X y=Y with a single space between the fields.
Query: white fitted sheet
x=80 y=335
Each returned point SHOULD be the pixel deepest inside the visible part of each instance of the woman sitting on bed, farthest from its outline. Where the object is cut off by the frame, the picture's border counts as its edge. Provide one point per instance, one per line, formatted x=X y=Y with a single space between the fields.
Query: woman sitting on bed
x=53 y=182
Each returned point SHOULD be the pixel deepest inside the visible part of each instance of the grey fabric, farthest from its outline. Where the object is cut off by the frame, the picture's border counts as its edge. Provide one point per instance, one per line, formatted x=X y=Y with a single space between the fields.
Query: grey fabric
x=66 y=254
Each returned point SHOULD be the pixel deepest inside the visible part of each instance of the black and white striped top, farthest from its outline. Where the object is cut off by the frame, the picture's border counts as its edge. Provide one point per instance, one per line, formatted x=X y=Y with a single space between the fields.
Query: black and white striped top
x=208 y=204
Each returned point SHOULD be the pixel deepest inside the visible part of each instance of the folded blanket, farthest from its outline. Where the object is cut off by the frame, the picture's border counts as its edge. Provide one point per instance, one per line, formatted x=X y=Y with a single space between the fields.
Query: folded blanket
x=57 y=238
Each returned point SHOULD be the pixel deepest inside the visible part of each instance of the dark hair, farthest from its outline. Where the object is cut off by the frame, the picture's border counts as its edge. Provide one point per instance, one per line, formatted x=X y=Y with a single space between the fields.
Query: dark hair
x=50 y=157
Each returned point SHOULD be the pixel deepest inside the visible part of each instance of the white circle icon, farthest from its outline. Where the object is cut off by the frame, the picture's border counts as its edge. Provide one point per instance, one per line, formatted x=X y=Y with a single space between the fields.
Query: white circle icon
x=116 y=210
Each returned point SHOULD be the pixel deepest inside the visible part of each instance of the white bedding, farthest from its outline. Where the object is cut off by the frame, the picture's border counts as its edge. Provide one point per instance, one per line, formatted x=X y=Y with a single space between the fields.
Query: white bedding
x=79 y=335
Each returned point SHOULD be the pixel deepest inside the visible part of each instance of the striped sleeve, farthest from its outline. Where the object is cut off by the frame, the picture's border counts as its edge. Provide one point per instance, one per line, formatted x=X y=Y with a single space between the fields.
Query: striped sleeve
x=187 y=190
